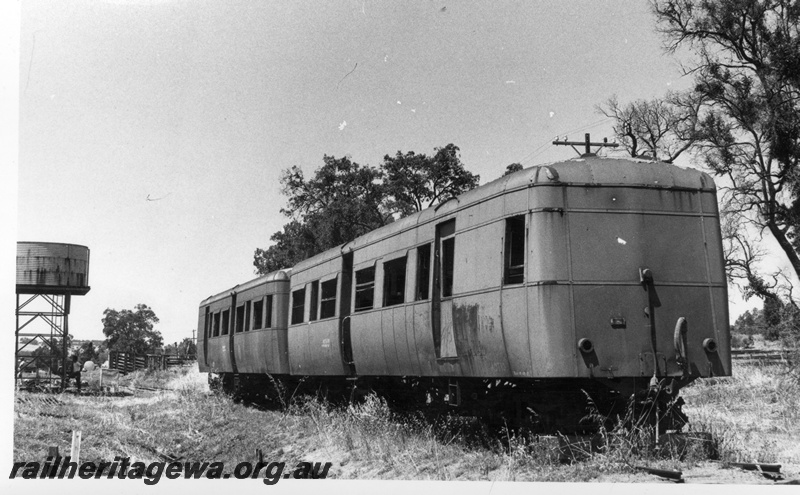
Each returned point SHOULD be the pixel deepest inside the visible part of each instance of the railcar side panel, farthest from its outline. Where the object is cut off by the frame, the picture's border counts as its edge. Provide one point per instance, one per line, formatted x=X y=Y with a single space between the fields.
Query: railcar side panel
x=423 y=338
x=479 y=340
x=202 y=339
x=553 y=348
x=515 y=327
x=219 y=359
x=548 y=252
x=314 y=342
x=368 y=352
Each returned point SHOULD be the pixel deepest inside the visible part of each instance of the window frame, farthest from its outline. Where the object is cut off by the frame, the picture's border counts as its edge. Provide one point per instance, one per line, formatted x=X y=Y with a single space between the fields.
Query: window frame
x=512 y=250
x=225 y=326
x=269 y=310
x=298 y=308
x=394 y=270
x=326 y=302
x=363 y=288
x=259 y=313
x=423 y=269
x=313 y=303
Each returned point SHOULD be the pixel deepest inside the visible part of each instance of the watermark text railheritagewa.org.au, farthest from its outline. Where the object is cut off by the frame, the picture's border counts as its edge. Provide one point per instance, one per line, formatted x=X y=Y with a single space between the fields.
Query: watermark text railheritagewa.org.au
x=122 y=468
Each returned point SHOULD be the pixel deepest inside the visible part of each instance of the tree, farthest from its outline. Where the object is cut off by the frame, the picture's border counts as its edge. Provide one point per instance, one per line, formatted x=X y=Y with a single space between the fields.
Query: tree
x=417 y=181
x=659 y=129
x=344 y=200
x=514 y=167
x=131 y=331
x=340 y=202
x=747 y=70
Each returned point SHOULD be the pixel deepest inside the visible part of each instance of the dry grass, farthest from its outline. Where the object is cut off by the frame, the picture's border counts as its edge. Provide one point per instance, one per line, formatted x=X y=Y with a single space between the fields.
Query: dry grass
x=751 y=415
x=754 y=414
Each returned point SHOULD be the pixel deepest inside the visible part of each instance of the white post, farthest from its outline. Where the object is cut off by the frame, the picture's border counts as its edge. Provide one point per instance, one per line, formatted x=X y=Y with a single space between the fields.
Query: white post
x=75 y=450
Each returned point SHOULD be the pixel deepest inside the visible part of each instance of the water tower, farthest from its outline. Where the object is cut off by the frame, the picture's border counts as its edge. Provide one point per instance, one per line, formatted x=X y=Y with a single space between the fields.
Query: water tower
x=48 y=275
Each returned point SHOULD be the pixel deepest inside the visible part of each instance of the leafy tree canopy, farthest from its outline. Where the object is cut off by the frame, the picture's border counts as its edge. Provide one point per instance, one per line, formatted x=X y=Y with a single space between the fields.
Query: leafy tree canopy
x=344 y=200
x=132 y=331
x=417 y=181
x=514 y=167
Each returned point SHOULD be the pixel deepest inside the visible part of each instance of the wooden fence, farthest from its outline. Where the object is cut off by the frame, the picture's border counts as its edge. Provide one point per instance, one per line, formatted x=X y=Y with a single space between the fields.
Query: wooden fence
x=126 y=362
x=767 y=356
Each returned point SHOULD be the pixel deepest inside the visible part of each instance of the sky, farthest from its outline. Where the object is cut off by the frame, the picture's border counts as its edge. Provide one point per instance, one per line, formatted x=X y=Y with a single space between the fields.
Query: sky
x=154 y=132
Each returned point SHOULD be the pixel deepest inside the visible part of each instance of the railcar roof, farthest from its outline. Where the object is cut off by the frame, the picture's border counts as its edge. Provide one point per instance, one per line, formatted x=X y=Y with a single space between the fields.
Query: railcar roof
x=269 y=277
x=589 y=170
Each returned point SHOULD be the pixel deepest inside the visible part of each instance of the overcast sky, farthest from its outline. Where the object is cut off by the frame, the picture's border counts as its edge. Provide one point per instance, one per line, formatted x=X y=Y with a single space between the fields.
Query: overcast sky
x=154 y=132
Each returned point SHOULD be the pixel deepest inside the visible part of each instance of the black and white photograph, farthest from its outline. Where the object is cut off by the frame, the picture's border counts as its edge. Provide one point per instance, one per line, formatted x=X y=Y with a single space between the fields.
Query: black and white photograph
x=527 y=245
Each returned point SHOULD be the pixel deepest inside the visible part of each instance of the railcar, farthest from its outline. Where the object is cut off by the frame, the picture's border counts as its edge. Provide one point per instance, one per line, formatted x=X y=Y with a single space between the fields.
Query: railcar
x=593 y=277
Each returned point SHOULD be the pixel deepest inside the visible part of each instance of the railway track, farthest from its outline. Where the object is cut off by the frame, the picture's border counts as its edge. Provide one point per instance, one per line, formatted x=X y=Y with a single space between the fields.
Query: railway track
x=767 y=356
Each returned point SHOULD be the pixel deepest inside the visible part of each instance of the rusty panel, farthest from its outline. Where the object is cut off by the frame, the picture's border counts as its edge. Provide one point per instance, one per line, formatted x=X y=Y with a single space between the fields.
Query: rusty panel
x=552 y=338
x=447 y=347
x=479 y=337
x=423 y=338
x=515 y=327
x=365 y=333
x=671 y=246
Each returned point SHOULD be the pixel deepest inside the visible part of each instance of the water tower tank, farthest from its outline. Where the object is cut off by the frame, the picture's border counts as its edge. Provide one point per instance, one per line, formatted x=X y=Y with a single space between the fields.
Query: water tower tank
x=52 y=268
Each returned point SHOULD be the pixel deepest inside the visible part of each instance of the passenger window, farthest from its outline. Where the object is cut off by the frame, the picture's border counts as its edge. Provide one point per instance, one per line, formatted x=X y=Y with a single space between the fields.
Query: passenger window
x=314 y=297
x=365 y=289
x=298 y=306
x=394 y=281
x=247 y=316
x=515 y=250
x=448 y=253
x=423 y=272
x=268 y=317
x=225 y=321
x=216 y=324
x=258 y=314
x=327 y=307
x=240 y=318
